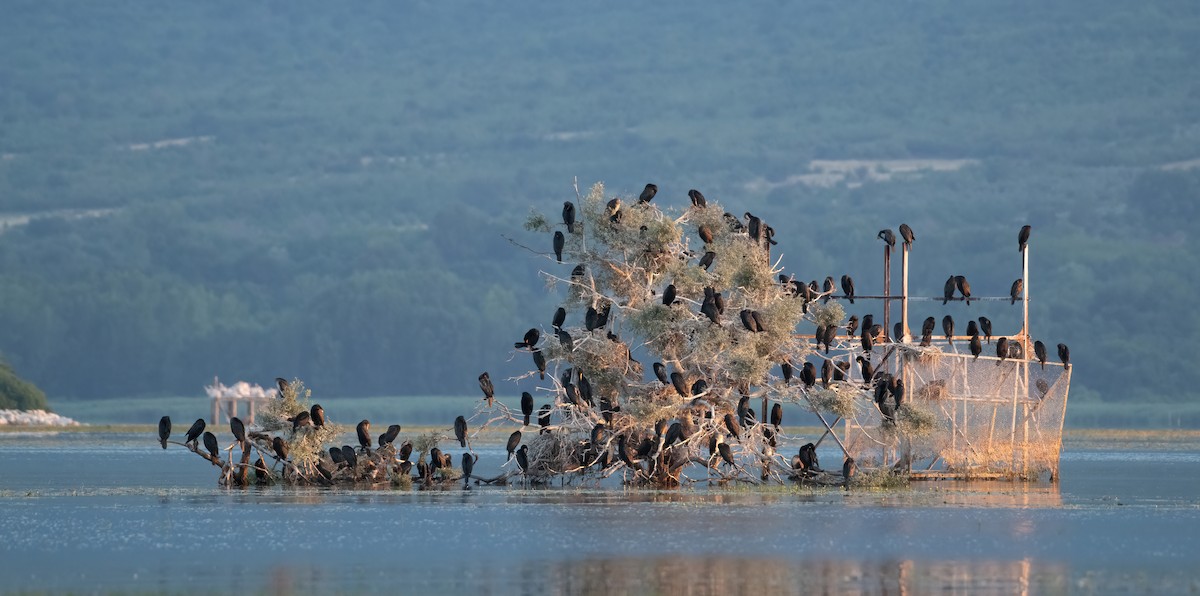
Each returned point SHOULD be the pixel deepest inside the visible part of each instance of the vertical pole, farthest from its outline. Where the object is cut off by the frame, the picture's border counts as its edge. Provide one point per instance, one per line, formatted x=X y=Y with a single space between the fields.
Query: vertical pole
x=904 y=293
x=1028 y=351
x=887 y=288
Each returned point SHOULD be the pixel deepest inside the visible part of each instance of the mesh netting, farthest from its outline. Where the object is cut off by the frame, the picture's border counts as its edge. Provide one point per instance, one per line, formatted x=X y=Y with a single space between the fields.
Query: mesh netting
x=989 y=416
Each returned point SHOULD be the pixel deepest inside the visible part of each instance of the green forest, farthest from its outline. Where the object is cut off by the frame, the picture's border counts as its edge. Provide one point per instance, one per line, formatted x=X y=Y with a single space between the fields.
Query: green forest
x=190 y=190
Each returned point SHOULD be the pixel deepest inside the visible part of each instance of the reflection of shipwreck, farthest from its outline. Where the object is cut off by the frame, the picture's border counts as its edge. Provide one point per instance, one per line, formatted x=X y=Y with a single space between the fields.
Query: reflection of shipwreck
x=996 y=417
x=227 y=399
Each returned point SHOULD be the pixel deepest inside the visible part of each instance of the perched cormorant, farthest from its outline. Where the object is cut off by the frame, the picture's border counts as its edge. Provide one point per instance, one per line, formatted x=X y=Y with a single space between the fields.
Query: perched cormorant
x=868 y=321
x=709 y=307
x=964 y=288
x=808 y=456
x=826 y=373
x=706 y=261
x=489 y=391
x=852 y=325
x=405 y=450
x=260 y=470
x=699 y=387
x=523 y=458
x=849 y=469
x=526 y=406
x=1015 y=291
x=194 y=432
x=896 y=388
x=564 y=339
x=828 y=288
x=726 y=453
x=1064 y=355
x=539 y=360
x=898 y=332
x=544 y=416
x=668 y=297
x=559 y=242
x=748 y=321
x=1023 y=238
x=531 y=338
x=389 y=436
x=733 y=223
x=560 y=317
x=660 y=371
x=819 y=336
x=808 y=374
x=758 y=320
x=460 y=431
x=841 y=370
x=753 y=226
x=613 y=209
x=513 y=441
x=927 y=330
x=364 y=435
x=777 y=415
x=436 y=460
x=468 y=466
x=577 y=273
x=680 y=384
x=648 y=193
x=706 y=233
x=867 y=369
x=887 y=236
x=1039 y=350
x=976 y=346
x=868 y=342
x=786 y=368
x=732 y=426
x=164 y=430
x=335 y=455
x=1001 y=349
x=948 y=290
x=280 y=447
x=985 y=325
x=830 y=335
x=317 y=413
x=743 y=409
x=848 y=287
x=301 y=419
x=210 y=443
x=569 y=215
x=283 y=385
x=907 y=234
x=236 y=427
x=972 y=328
x=948 y=328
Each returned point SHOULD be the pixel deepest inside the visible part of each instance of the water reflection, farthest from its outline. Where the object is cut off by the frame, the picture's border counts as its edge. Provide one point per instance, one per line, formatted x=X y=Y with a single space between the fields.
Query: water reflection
x=707 y=575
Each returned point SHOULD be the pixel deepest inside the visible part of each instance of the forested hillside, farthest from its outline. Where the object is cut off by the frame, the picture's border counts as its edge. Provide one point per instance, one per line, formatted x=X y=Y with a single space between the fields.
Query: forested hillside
x=316 y=191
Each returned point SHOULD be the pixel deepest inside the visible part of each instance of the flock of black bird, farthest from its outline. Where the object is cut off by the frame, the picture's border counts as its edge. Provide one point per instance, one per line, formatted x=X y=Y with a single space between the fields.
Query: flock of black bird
x=661 y=450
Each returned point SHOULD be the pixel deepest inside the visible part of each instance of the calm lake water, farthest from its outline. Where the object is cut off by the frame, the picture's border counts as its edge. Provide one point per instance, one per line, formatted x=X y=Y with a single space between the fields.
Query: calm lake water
x=114 y=512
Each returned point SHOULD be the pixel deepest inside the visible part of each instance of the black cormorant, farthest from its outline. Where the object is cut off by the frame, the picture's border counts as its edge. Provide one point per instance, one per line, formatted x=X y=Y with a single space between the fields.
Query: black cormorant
x=1039 y=350
x=539 y=360
x=976 y=346
x=210 y=443
x=848 y=287
x=544 y=416
x=364 y=435
x=699 y=387
x=985 y=326
x=194 y=432
x=927 y=330
x=238 y=429
x=569 y=215
x=826 y=373
x=907 y=234
x=888 y=236
x=389 y=436
x=852 y=325
x=1001 y=349
x=335 y=455
x=531 y=338
x=731 y=424
x=726 y=453
x=867 y=369
x=460 y=431
x=706 y=233
x=948 y=290
x=748 y=321
x=1015 y=291
x=317 y=413
x=830 y=335
x=468 y=466
x=164 y=430
x=668 y=297
x=560 y=317
x=280 y=447
x=648 y=193
x=613 y=209
x=698 y=199
x=964 y=288
x=1023 y=238
x=301 y=419
x=948 y=328
x=513 y=441
x=523 y=458
x=526 y=406
x=485 y=385
x=1064 y=355
x=283 y=385
x=849 y=469
x=680 y=384
x=828 y=288
x=559 y=242
x=706 y=261
x=406 y=450
x=660 y=371
x=777 y=415
x=786 y=368
x=972 y=328
x=808 y=374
